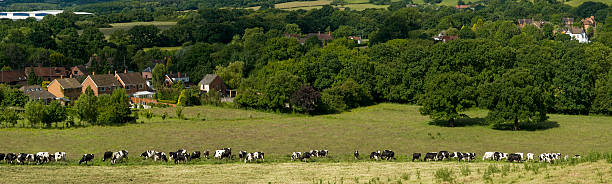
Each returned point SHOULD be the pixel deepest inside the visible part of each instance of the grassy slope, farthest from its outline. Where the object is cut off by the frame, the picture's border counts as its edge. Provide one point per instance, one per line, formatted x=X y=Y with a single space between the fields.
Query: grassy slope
x=129 y=25
x=384 y=172
x=385 y=126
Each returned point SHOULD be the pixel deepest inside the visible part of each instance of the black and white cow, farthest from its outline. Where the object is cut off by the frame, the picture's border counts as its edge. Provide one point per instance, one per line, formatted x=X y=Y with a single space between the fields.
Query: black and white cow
x=442 y=155
x=107 y=156
x=431 y=156
x=148 y=154
x=206 y=154
x=296 y=156
x=498 y=156
x=323 y=153
x=42 y=157
x=2 y=156
x=416 y=156
x=119 y=156
x=530 y=157
x=242 y=155
x=468 y=156
x=314 y=153
x=21 y=158
x=356 y=155
x=375 y=155
x=223 y=153
x=86 y=158
x=171 y=155
x=181 y=155
x=258 y=156
x=514 y=157
x=10 y=157
x=248 y=157
x=488 y=155
x=388 y=155
x=160 y=155
x=195 y=155
x=59 y=156
x=305 y=156
x=456 y=155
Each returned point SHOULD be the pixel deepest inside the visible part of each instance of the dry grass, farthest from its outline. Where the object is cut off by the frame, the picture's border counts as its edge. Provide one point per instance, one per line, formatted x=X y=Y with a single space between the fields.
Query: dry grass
x=296 y=4
x=363 y=172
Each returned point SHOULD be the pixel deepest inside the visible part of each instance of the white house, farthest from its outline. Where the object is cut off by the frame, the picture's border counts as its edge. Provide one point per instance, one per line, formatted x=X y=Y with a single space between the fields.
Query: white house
x=38 y=15
x=577 y=34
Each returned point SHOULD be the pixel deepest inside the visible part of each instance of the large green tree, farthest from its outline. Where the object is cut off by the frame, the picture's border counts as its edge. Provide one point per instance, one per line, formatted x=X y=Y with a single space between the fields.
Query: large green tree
x=514 y=97
x=446 y=95
x=87 y=106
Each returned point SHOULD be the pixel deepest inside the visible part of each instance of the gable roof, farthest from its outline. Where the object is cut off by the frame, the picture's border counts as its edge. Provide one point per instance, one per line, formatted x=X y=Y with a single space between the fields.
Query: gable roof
x=131 y=78
x=69 y=83
x=47 y=71
x=37 y=92
x=575 y=30
x=82 y=69
x=148 y=69
x=104 y=80
x=12 y=76
x=208 y=79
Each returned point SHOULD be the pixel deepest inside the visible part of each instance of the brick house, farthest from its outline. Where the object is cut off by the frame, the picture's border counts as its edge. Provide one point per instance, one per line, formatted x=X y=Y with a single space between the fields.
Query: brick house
x=65 y=88
x=78 y=71
x=212 y=82
x=100 y=84
x=131 y=81
x=47 y=73
x=13 y=77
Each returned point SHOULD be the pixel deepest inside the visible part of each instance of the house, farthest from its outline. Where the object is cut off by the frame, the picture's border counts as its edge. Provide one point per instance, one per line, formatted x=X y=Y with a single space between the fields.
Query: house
x=212 y=82
x=131 y=81
x=38 y=93
x=588 y=22
x=524 y=22
x=47 y=73
x=79 y=70
x=577 y=33
x=69 y=88
x=444 y=38
x=100 y=84
x=461 y=7
x=13 y=77
x=147 y=73
x=173 y=78
x=355 y=38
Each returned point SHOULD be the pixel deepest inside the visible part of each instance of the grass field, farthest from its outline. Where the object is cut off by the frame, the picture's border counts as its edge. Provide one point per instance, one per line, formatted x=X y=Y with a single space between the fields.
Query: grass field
x=578 y=2
x=129 y=25
x=165 y=48
x=384 y=126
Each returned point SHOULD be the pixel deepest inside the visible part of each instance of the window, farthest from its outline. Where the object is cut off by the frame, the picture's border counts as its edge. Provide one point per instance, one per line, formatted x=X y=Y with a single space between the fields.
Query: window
x=21 y=14
x=3 y=14
x=101 y=89
x=140 y=86
x=76 y=72
x=40 y=14
x=127 y=87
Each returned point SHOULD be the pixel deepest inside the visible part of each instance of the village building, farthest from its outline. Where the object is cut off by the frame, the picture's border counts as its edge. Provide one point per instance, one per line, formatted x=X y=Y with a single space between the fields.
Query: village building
x=79 y=70
x=212 y=82
x=132 y=82
x=68 y=88
x=100 y=84
x=47 y=73
x=13 y=77
x=174 y=78
x=37 y=93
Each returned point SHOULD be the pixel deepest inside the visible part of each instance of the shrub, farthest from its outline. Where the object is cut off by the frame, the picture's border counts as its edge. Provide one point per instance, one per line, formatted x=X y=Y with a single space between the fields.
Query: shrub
x=148 y=113
x=164 y=116
x=10 y=116
x=445 y=175
x=179 y=112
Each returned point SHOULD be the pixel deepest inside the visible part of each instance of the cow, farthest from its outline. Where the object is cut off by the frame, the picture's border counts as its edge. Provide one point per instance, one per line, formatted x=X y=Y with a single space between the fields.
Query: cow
x=296 y=155
x=119 y=156
x=443 y=155
x=488 y=155
x=521 y=154
x=195 y=155
x=529 y=157
x=107 y=155
x=171 y=155
x=206 y=154
x=2 y=156
x=181 y=155
x=305 y=156
x=148 y=154
x=223 y=153
x=388 y=155
x=242 y=155
x=59 y=156
x=375 y=155
x=314 y=153
x=258 y=156
x=416 y=156
x=10 y=157
x=86 y=158
x=21 y=158
x=160 y=155
x=356 y=155
x=503 y=156
x=41 y=157
x=514 y=157
x=323 y=153
x=468 y=156
x=577 y=157
x=430 y=156
x=248 y=157
x=457 y=155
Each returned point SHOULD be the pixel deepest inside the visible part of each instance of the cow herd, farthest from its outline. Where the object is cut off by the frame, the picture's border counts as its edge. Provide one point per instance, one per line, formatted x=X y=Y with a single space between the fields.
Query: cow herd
x=182 y=156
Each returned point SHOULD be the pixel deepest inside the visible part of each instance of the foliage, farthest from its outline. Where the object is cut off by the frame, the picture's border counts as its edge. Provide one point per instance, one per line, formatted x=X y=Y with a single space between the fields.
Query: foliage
x=87 y=106
x=232 y=74
x=158 y=76
x=34 y=111
x=306 y=99
x=446 y=95
x=53 y=113
x=10 y=116
x=179 y=112
x=349 y=94
x=515 y=96
x=11 y=97
x=33 y=79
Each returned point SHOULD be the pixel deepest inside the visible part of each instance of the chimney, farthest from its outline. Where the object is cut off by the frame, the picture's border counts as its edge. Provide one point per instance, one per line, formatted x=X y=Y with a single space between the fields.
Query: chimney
x=109 y=72
x=93 y=73
x=329 y=33
x=71 y=76
x=61 y=77
x=319 y=33
x=179 y=74
x=115 y=72
x=125 y=70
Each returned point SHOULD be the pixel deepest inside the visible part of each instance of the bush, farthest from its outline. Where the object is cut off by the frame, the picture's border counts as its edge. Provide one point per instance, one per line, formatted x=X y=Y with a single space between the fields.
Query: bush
x=445 y=175
x=179 y=112
x=10 y=116
x=148 y=113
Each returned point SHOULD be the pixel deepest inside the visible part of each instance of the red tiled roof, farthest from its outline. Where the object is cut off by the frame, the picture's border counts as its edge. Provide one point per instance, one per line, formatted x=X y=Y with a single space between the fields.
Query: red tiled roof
x=47 y=71
x=131 y=78
x=12 y=76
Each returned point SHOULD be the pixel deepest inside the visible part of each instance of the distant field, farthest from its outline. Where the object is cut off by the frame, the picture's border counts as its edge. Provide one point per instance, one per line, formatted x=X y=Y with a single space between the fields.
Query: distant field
x=361 y=172
x=129 y=25
x=165 y=48
x=578 y=2
x=295 y=4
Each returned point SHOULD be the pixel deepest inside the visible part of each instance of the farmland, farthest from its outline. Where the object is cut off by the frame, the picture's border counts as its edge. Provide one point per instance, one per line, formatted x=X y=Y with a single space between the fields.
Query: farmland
x=129 y=25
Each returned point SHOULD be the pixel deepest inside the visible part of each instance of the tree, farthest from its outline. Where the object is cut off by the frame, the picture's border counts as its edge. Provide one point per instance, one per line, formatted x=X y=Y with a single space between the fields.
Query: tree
x=446 y=95
x=466 y=33
x=306 y=99
x=34 y=111
x=143 y=36
x=344 y=32
x=293 y=29
x=33 y=79
x=345 y=95
x=232 y=74
x=514 y=97
x=10 y=116
x=87 y=106
x=53 y=113
x=158 y=76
